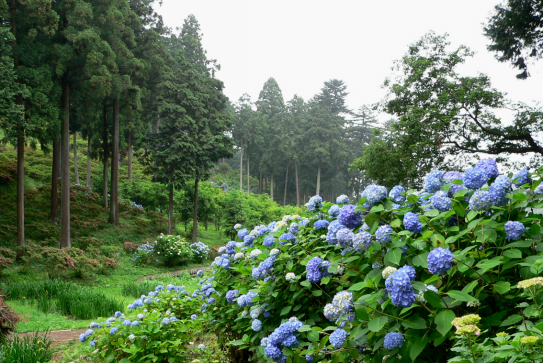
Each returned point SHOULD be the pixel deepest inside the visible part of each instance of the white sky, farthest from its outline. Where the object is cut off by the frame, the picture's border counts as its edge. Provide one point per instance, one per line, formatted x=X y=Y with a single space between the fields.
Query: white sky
x=304 y=43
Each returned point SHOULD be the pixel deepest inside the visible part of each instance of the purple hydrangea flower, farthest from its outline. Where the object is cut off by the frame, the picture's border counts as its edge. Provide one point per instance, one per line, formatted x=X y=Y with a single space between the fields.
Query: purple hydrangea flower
x=321 y=223
x=345 y=237
x=374 y=194
x=314 y=274
x=269 y=241
x=242 y=233
x=315 y=202
x=349 y=218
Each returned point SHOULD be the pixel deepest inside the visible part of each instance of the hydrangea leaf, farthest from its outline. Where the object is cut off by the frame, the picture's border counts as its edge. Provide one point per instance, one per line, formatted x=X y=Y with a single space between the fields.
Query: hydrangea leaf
x=417 y=347
x=444 y=320
x=286 y=310
x=433 y=299
x=460 y=296
x=514 y=253
x=414 y=322
x=377 y=324
x=512 y=319
x=486 y=265
x=501 y=287
x=393 y=256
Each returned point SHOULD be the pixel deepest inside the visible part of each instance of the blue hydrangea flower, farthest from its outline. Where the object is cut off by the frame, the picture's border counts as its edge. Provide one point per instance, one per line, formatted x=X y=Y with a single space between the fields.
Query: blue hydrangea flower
x=165 y=321
x=449 y=177
x=315 y=202
x=269 y=241
x=362 y=241
x=314 y=274
x=345 y=237
x=399 y=287
x=432 y=183
x=474 y=178
x=135 y=323
x=334 y=211
x=127 y=322
x=294 y=228
x=342 y=199
x=411 y=222
x=337 y=338
x=333 y=228
x=349 y=217
x=242 y=233
x=522 y=178
x=513 y=230
x=439 y=261
x=320 y=224
x=481 y=200
x=396 y=194
x=256 y=325
x=374 y=194
x=272 y=351
x=410 y=271
x=290 y=341
x=383 y=235
x=539 y=189
x=286 y=238
x=193 y=316
x=393 y=340
x=440 y=201
x=499 y=189
x=248 y=240
x=489 y=166
x=113 y=330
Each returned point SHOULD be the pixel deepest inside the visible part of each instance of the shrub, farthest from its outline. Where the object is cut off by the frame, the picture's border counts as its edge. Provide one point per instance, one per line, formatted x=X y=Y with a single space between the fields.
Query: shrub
x=35 y=348
x=130 y=247
x=8 y=318
x=157 y=327
x=6 y=258
x=172 y=250
x=389 y=287
x=200 y=251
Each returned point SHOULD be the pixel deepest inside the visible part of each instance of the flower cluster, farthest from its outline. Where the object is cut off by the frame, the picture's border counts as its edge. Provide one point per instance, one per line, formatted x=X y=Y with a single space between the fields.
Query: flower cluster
x=513 y=230
x=522 y=177
x=362 y=241
x=341 y=308
x=349 y=217
x=399 y=286
x=374 y=194
x=451 y=176
x=489 y=167
x=474 y=178
x=411 y=222
x=396 y=194
x=393 y=340
x=383 y=235
x=466 y=324
x=316 y=269
x=526 y=284
x=432 y=183
x=315 y=202
x=440 y=201
x=283 y=336
x=320 y=224
x=200 y=250
x=439 y=261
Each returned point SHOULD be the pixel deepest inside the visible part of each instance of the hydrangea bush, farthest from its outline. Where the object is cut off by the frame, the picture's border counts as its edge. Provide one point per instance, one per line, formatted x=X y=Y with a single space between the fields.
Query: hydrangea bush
x=387 y=279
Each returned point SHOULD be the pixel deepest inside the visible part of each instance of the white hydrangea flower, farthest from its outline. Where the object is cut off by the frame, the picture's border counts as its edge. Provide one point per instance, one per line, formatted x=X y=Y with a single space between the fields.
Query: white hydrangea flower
x=255 y=253
x=473 y=304
x=290 y=276
x=237 y=226
x=274 y=252
x=389 y=270
x=238 y=256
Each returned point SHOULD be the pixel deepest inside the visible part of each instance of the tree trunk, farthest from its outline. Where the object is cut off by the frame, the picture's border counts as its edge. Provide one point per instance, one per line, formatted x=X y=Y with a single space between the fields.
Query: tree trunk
x=241 y=168
x=260 y=183
x=170 y=212
x=76 y=169
x=20 y=191
x=54 y=181
x=89 y=163
x=285 y=194
x=271 y=187
x=130 y=155
x=195 y=218
x=248 y=176
x=318 y=180
x=65 y=240
x=105 y=160
x=297 y=187
x=114 y=203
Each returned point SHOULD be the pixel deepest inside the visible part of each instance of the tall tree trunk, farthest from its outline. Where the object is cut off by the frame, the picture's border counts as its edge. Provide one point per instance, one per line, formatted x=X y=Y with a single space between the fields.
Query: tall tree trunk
x=271 y=187
x=114 y=203
x=170 y=212
x=260 y=183
x=266 y=185
x=297 y=187
x=195 y=218
x=105 y=160
x=76 y=169
x=248 y=176
x=54 y=181
x=20 y=191
x=241 y=167
x=65 y=239
x=285 y=194
x=130 y=155
x=318 y=180
x=89 y=163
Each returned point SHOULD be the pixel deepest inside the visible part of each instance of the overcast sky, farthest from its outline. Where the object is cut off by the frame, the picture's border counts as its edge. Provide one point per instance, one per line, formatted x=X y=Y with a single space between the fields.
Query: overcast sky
x=303 y=43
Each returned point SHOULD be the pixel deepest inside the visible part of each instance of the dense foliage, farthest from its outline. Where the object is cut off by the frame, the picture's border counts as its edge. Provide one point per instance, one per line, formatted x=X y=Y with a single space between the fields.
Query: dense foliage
x=387 y=280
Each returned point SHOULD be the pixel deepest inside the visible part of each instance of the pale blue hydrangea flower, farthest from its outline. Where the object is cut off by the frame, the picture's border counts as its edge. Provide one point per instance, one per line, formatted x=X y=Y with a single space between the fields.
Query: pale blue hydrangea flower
x=439 y=261
x=474 y=178
x=513 y=230
x=393 y=340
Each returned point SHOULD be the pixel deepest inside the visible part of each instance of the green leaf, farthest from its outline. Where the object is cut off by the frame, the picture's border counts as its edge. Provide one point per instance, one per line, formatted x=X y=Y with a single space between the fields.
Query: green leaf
x=444 y=320
x=286 y=310
x=460 y=296
x=315 y=293
x=304 y=328
x=520 y=196
x=501 y=287
x=238 y=342
x=393 y=256
x=511 y=319
x=417 y=348
x=432 y=298
x=514 y=253
x=313 y=336
x=486 y=265
x=305 y=283
x=421 y=260
x=469 y=287
x=358 y=286
x=377 y=324
x=414 y=322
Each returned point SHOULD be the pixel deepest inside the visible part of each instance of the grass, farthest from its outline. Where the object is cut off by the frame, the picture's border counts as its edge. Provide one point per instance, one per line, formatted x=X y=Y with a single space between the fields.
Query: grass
x=30 y=349
x=136 y=289
x=67 y=298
